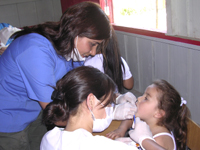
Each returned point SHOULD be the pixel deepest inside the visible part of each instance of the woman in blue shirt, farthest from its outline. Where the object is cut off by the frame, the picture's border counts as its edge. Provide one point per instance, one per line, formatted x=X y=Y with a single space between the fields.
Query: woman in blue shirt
x=32 y=64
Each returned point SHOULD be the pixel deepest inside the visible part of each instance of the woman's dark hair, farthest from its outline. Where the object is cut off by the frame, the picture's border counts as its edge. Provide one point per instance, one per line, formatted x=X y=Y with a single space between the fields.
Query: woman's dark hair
x=73 y=89
x=85 y=19
x=176 y=116
x=112 y=62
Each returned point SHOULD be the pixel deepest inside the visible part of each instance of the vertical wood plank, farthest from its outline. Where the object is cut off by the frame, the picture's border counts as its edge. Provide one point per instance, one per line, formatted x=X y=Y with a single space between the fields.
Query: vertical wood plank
x=57 y=10
x=42 y=8
x=9 y=14
x=194 y=104
x=120 y=38
x=132 y=58
x=161 y=59
x=27 y=14
x=145 y=63
x=178 y=66
x=21 y=13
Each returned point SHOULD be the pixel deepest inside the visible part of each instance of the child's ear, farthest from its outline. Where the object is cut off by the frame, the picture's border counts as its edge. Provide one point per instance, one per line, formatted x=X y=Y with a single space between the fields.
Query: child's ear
x=159 y=113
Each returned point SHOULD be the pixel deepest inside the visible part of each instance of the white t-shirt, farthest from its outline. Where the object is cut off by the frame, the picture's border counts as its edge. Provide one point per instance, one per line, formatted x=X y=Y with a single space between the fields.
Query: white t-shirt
x=80 y=139
x=97 y=62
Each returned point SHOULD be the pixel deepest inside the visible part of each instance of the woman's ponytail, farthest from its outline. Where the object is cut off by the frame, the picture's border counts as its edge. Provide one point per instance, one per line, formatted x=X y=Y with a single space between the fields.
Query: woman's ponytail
x=57 y=110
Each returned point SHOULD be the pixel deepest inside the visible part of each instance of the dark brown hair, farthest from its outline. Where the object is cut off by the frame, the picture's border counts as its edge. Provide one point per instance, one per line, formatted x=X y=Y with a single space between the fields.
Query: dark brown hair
x=112 y=62
x=176 y=116
x=73 y=89
x=85 y=19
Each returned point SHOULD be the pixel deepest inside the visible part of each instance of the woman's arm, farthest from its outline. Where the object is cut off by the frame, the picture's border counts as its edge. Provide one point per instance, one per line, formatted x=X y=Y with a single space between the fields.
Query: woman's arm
x=43 y=104
x=128 y=84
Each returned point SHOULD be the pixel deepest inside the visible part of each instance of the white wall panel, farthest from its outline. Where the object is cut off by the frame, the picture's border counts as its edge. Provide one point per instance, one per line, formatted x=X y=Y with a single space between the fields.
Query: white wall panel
x=9 y=14
x=44 y=10
x=161 y=60
x=57 y=9
x=132 y=60
x=6 y=2
x=152 y=58
x=145 y=62
x=194 y=96
x=21 y=13
x=120 y=38
x=27 y=14
x=179 y=66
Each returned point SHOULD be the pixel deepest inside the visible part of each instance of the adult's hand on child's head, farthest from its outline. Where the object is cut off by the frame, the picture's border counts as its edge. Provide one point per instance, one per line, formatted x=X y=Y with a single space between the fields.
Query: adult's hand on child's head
x=124 y=111
x=140 y=132
x=127 y=97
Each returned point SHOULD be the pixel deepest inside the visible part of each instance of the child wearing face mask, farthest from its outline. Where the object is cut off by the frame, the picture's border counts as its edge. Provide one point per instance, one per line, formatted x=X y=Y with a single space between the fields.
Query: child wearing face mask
x=166 y=114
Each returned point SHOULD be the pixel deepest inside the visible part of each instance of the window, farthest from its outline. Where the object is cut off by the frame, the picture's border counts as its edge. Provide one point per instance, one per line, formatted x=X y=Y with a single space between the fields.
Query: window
x=142 y=14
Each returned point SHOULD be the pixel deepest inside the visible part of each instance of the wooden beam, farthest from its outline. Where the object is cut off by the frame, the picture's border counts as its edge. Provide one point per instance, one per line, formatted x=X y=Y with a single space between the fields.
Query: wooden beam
x=193 y=140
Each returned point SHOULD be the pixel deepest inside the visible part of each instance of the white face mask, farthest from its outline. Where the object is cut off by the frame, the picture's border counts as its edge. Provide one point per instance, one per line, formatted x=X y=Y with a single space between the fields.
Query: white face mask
x=74 y=54
x=100 y=125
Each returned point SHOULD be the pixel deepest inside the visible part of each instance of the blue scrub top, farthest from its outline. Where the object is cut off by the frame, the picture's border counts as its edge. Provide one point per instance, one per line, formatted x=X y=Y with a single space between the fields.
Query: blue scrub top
x=29 y=68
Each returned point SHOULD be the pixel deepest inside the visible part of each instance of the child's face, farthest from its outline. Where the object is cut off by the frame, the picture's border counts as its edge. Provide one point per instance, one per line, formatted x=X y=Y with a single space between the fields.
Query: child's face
x=148 y=104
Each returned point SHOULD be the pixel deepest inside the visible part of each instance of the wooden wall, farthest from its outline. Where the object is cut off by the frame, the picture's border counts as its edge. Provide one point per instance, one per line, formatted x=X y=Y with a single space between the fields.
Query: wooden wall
x=21 y=13
x=152 y=58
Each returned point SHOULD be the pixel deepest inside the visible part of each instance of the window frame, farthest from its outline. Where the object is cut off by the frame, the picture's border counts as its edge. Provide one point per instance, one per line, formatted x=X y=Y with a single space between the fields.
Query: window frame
x=144 y=32
x=154 y=34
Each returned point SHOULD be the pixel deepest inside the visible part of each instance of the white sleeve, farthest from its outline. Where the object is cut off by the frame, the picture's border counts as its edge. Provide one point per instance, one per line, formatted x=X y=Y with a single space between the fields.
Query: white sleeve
x=95 y=61
x=102 y=143
x=127 y=74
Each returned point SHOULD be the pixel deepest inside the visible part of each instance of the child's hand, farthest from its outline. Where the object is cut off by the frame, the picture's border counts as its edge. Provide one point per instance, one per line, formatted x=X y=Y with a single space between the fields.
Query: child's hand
x=116 y=134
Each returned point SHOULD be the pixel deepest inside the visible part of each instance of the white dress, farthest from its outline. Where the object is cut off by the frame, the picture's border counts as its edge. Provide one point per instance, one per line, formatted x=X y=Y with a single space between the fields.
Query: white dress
x=80 y=139
x=97 y=62
x=168 y=134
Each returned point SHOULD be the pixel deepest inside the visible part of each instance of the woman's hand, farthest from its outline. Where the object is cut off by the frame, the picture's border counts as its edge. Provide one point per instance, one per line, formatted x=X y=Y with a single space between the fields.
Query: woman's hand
x=124 y=111
x=127 y=97
x=140 y=132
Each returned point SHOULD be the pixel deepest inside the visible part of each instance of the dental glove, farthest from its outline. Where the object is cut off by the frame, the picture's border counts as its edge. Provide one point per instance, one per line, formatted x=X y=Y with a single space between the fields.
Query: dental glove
x=124 y=111
x=141 y=131
x=127 y=97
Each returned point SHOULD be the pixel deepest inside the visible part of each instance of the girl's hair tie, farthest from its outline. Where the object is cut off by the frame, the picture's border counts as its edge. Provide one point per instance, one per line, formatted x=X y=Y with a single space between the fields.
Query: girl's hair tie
x=183 y=102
